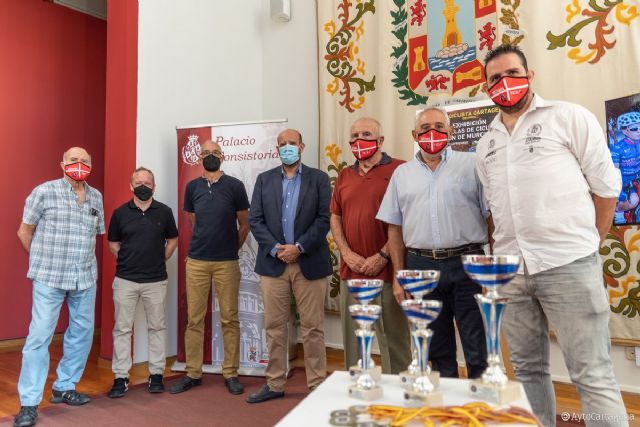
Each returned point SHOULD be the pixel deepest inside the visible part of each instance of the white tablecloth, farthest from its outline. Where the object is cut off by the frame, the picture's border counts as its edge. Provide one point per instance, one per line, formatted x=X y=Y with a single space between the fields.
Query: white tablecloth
x=333 y=394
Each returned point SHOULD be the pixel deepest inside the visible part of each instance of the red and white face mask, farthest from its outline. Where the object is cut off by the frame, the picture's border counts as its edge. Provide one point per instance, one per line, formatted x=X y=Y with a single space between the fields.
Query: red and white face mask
x=362 y=149
x=77 y=171
x=509 y=90
x=433 y=141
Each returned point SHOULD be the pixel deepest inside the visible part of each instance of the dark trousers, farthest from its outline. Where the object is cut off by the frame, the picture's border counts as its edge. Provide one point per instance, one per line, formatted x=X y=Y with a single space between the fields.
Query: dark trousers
x=456 y=291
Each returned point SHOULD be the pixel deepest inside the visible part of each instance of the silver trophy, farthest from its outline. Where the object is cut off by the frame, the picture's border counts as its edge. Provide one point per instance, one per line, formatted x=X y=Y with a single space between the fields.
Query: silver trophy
x=417 y=283
x=365 y=387
x=421 y=313
x=364 y=291
x=491 y=272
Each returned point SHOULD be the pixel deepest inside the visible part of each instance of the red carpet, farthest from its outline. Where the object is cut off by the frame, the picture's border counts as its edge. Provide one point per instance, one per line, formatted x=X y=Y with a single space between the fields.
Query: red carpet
x=209 y=405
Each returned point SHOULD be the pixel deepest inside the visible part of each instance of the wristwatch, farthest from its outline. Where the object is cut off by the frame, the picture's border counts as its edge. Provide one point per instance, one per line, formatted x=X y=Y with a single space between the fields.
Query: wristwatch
x=299 y=247
x=384 y=255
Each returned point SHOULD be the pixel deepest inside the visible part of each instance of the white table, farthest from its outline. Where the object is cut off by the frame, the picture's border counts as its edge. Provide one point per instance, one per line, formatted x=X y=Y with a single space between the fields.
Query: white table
x=332 y=394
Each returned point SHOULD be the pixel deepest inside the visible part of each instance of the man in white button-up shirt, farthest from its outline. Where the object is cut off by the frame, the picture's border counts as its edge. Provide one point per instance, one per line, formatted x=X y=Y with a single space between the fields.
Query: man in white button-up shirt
x=552 y=189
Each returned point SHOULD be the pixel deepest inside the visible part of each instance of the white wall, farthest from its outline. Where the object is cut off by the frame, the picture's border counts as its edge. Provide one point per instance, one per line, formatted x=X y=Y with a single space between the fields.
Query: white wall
x=204 y=62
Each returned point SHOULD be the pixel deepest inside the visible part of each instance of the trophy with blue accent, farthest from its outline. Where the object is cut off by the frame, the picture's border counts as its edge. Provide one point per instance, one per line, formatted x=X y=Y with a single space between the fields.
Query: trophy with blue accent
x=422 y=391
x=364 y=291
x=417 y=283
x=365 y=387
x=491 y=272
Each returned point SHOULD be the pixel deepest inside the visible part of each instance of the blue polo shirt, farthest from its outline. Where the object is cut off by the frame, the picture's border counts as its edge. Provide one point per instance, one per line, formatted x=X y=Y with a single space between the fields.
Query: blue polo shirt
x=215 y=204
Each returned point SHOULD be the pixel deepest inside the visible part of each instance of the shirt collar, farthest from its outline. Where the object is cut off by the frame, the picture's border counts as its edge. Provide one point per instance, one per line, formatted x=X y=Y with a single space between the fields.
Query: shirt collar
x=386 y=159
x=133 y=205
x=68 y=184
x=445 y=154
x=298 y=172
x=536 y=102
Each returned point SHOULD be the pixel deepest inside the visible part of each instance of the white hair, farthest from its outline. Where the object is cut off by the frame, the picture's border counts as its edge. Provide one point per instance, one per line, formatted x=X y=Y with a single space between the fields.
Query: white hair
x=442 y=110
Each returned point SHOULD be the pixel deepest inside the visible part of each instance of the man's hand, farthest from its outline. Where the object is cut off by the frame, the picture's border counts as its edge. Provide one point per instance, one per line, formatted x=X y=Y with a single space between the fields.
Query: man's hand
x=353 y=261
x=373 y=265
x=398 y=292
x=288 y=253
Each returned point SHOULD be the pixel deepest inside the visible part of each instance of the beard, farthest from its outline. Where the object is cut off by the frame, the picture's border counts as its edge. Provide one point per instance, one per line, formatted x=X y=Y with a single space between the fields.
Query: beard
x=516 y=108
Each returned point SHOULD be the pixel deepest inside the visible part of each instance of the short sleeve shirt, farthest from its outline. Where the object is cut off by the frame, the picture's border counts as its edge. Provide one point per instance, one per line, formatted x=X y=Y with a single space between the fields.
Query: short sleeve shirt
x=356 y=199
x=215 y=205
x=62 y=253
x=142 y=236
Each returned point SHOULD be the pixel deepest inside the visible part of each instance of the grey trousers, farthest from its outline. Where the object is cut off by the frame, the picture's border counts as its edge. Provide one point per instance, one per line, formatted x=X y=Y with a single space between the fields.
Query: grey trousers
x=572 y=299
x=392 y=331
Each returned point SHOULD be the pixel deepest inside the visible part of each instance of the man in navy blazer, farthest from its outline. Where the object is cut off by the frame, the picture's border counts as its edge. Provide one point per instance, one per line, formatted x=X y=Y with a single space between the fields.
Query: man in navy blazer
x=289 y=219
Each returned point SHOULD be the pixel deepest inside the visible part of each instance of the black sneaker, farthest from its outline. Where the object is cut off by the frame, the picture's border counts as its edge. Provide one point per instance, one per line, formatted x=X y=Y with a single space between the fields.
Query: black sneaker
x=156 y=385
x=185 y=383
x=70 y=397
x=119 y=388
x=26 y=417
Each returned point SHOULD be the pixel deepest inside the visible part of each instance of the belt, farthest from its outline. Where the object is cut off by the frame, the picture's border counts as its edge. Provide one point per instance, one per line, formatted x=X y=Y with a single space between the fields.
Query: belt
x=447 y=253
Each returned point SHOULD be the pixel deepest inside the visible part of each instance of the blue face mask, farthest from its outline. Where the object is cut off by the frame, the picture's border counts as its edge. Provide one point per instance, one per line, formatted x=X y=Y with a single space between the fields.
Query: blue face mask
x=289 y=154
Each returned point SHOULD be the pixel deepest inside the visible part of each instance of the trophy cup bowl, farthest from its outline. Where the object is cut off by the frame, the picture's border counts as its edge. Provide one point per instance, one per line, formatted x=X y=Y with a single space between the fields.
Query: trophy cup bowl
x=417 y=283
x=423 y=388
x=365 y=387
x=491 y=272
x=364 y=291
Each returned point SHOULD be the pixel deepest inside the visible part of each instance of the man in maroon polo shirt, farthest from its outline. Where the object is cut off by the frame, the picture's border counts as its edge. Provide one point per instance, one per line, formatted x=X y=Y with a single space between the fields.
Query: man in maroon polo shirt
x=362 y=242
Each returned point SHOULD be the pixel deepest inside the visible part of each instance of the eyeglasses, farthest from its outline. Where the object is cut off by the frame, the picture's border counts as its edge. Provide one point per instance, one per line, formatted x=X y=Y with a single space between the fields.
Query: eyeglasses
x=634 y=129
x=206 y=153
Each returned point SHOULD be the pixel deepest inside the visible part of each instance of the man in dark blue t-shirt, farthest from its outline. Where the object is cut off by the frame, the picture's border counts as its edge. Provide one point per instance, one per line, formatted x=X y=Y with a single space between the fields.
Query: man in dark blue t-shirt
x=218 y=210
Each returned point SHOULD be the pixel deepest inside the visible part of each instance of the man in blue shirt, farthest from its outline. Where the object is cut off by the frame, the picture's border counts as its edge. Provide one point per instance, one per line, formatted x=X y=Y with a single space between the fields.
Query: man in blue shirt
x=435 y=209
x=290 y=220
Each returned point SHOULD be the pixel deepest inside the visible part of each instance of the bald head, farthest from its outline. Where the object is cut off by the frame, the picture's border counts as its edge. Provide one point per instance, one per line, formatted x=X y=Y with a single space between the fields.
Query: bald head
x=210 y=147
x=76 y=154
x=290 y=136
x=366 y=128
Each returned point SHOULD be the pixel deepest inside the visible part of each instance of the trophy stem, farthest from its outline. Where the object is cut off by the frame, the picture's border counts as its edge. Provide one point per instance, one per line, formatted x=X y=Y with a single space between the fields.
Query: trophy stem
x=492 y=308
x=365 y=340
x=422 y=339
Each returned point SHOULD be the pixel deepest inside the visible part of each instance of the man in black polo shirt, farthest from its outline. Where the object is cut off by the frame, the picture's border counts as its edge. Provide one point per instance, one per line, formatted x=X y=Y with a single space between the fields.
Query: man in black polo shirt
x=142 y=235
x=218 y=210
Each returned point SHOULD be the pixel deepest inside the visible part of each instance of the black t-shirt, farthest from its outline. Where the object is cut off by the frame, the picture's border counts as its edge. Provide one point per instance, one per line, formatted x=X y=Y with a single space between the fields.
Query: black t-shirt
x=142 y=237
x=215 y=235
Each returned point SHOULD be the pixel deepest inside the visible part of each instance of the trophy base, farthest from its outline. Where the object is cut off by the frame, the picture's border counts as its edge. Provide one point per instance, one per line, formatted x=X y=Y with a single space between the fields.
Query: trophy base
x=360 y=394
x=499 y=395
x=355 y=371
x=415 y=399
x=406 y=379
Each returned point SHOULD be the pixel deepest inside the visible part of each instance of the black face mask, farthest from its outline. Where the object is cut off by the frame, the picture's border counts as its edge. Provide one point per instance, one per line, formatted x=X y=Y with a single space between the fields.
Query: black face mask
x=211 y=163
x=143 y=192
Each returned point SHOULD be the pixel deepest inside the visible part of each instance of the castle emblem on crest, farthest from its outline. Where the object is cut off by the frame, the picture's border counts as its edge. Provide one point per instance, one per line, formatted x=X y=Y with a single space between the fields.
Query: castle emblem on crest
x=191 y=151
x=446 y=40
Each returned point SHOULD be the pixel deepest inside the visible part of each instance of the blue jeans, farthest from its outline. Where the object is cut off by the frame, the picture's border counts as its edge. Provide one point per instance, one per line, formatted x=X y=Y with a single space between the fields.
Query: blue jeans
x=77 y=340
x=457 y=293
x=572 y=298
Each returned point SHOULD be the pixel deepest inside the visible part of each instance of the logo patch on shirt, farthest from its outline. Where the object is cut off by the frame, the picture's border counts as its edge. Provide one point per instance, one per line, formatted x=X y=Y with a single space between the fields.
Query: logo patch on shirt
x=534 y=129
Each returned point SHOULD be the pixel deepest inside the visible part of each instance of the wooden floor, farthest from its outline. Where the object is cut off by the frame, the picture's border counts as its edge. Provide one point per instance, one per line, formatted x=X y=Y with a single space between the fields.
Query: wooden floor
x=98 y=378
